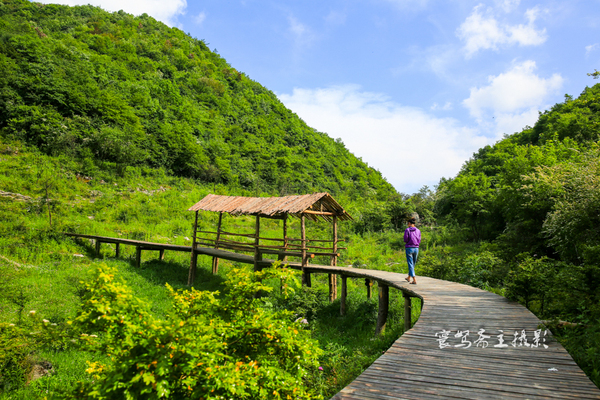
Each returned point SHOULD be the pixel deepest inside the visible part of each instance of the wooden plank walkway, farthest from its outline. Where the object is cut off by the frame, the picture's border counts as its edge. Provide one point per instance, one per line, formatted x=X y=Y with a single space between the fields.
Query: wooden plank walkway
x=416 y=367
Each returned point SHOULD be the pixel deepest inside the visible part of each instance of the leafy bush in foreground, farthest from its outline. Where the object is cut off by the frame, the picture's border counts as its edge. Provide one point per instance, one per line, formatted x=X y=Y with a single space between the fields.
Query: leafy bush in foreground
x=207 y=347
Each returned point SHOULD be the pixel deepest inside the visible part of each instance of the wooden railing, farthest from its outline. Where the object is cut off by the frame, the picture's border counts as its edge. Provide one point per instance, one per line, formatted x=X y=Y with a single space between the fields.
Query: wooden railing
x=344 y=272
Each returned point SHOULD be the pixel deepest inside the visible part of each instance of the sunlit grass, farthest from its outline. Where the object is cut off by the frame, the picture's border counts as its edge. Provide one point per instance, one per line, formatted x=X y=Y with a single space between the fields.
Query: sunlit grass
x=43 y=269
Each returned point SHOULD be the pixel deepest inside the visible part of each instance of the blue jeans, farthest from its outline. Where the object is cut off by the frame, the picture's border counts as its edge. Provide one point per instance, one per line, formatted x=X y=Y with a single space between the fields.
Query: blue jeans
x=412 y=253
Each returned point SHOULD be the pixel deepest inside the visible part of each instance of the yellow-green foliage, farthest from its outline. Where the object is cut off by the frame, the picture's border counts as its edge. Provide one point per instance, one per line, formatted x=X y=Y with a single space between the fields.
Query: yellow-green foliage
x=207 y=347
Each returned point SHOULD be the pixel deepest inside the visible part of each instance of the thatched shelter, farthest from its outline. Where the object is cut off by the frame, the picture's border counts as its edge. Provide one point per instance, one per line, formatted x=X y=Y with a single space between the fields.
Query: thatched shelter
x=309 y=206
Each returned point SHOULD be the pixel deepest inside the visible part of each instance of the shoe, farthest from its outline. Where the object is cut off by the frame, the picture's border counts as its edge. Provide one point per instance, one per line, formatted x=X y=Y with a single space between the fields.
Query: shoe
x=407 y=280
x=413 y=283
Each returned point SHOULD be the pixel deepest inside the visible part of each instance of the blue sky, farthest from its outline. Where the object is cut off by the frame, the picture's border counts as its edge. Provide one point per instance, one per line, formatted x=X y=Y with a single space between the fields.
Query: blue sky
x=413 y=87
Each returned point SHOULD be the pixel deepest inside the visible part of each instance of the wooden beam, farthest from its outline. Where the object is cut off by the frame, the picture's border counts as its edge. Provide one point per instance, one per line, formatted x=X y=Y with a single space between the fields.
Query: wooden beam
x=407 y=311
x=138 y=256
x=215 y=261
x=332 y=287
x=384 y=303
x=161 y=254
x=305 y=275
x=281 y=253
x=369 y=285
x=98 y=244
x=326 y=213
x=344 y=295
x=117 y=250
x=325 y=240
x=249 y=248
x=193 y=258
x=283 y=257
x=333 y=262
x=257 y=253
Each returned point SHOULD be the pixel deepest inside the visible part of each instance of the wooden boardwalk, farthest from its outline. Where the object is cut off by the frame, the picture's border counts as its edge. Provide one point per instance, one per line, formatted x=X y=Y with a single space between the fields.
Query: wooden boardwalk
x=416 y=367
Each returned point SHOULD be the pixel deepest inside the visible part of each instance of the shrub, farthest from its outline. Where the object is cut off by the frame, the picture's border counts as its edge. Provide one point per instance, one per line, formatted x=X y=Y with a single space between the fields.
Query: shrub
x=207 y=347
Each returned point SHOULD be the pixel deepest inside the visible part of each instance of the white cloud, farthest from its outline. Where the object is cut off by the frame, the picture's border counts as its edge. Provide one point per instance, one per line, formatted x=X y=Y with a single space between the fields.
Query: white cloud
x=199 y=19
x=527 y=35
x=439 y=59
x=512 y=98
x=483 y=32
x=410 y=147
x=303 y=35
x=165 y=11
x=590 y=48
x=445 y=107
x=508 y=5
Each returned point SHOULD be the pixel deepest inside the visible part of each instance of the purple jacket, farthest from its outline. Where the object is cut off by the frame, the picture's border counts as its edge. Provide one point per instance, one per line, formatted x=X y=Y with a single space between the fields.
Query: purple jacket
x=412 y=237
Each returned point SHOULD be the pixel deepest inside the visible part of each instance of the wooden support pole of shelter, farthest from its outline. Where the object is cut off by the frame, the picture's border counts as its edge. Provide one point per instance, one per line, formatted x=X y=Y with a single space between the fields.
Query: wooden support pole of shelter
x=283 y=257
x=369 y=285
x=257 y=253
x=344 y=295
x=98 y=244
x=333 y=277
x=138 y=256
x=384 y=303
x=305 y=274
x=407 y=311
x=161 y=254
x=215 y=261
x=193 y=258
x=117 y=250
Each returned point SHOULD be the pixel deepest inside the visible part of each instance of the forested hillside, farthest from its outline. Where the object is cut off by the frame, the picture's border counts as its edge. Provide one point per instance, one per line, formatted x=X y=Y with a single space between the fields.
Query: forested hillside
x=112 y=90
x=112 y=124
x=115 y=125
x=526 y=218
x=534 y=190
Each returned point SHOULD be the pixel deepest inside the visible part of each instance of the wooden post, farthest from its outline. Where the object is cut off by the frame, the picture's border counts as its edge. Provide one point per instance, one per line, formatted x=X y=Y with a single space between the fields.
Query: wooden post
x=117 y=250
x=161 y=254
x=283 y=257
x=305 y=274
x=384 y=302
x=332 y=287
x=215 y=261
x=344 y=295
x=193 y=259
x=138 y=256
x=98 y=243
x=407 y=311
x=369 y=285
x=257 y=253
x=333 y=277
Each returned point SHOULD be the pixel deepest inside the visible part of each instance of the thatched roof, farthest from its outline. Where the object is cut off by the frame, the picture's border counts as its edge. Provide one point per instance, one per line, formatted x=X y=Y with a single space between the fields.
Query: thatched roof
x=312 y=205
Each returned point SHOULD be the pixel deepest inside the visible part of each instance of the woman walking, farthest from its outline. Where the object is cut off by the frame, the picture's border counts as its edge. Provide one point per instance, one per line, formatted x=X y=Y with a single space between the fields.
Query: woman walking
x=412 y=238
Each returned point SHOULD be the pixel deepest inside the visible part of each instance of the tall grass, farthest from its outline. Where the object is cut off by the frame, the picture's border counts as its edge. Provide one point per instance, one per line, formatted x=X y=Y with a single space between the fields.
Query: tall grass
x=42 y=269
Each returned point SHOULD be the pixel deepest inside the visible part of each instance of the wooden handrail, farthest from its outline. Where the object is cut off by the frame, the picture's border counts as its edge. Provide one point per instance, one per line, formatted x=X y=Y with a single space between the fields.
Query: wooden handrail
x=251 y=235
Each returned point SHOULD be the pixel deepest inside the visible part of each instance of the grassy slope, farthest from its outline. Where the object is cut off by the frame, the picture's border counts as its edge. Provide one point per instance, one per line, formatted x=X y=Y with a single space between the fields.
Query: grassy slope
x=43 y=268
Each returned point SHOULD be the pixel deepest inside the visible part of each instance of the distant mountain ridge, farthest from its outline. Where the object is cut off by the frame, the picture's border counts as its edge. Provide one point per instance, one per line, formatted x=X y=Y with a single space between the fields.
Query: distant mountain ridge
x=113 y=90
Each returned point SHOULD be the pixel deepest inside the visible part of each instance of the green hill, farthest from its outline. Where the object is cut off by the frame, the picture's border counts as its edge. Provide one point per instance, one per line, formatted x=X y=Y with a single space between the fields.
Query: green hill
x=526 y=213
x=115 y=125
x=112 y=90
